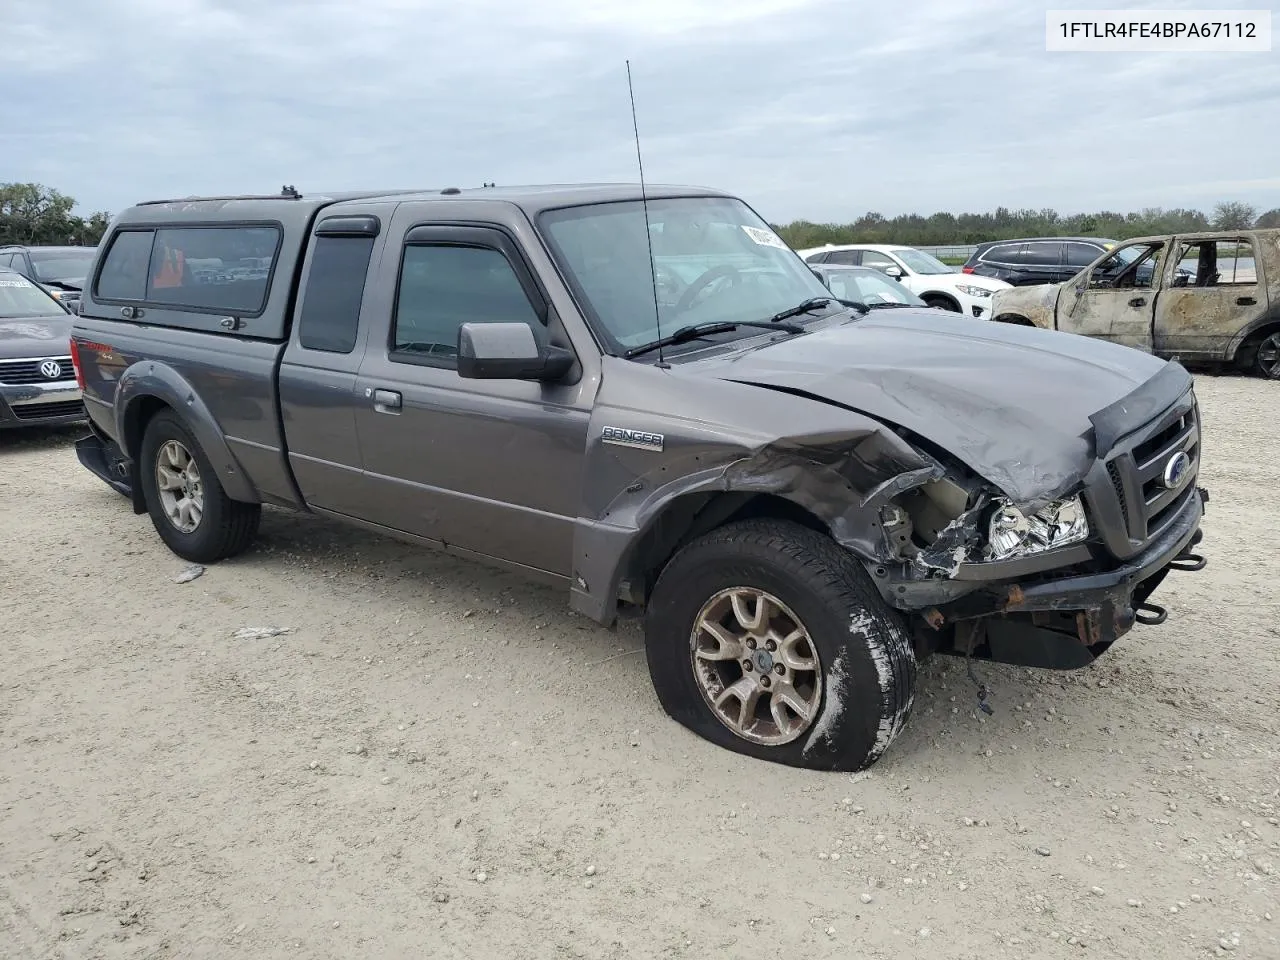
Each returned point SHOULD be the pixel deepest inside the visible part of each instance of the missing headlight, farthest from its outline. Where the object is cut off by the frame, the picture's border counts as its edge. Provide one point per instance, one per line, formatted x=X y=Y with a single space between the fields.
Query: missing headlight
x=1012 y=533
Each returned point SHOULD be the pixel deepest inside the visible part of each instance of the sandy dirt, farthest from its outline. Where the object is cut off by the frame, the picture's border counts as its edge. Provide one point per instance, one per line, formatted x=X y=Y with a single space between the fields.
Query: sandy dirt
x=441 y=761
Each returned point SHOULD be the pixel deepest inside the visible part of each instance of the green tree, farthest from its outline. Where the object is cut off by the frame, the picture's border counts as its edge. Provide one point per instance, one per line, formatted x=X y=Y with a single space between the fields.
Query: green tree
x=1232 y=215
x=1269 y=220
x=31 y=213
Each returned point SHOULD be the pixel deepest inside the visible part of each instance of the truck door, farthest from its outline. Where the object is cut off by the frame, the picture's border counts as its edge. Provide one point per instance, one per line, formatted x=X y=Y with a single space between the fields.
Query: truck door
x=1214 y=294
x=1115 y=299
x=491 y=466
x=318 y=396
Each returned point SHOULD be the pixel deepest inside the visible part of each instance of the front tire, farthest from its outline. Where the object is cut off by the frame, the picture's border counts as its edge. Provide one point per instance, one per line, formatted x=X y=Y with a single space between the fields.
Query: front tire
x=768 y=639
x=191 y=512
x=942 y=303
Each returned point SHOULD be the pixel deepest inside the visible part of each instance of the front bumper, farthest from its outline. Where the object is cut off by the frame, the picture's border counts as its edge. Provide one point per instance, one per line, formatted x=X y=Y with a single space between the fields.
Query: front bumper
x=40 y=404
x=1068 y=622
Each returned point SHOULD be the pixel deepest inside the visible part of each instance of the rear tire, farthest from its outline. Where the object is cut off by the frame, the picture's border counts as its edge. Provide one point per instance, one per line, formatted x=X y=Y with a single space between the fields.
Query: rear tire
x=1265 y=361
x=838 y=659
x=191 y=512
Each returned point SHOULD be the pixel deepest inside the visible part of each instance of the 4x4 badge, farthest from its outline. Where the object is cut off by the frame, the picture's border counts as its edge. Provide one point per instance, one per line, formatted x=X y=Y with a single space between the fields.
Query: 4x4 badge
x=622 y=437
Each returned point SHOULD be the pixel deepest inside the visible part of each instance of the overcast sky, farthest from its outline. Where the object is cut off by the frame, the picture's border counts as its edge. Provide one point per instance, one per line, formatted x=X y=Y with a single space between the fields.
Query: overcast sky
x=821 y=109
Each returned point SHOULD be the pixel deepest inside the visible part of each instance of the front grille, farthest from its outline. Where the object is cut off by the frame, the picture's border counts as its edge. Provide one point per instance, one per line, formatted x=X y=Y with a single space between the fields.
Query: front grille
x=18 y=372
x=39 y=411
x=1138 y=476
x=1113 y=471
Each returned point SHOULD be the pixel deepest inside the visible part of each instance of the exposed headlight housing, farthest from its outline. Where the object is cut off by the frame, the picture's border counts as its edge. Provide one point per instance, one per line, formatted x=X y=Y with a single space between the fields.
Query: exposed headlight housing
x=969 y=291
x=1011 y=534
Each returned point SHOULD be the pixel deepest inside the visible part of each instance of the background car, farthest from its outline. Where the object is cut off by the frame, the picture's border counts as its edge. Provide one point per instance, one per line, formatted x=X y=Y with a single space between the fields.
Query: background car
x=866 y=285
x=937 y=284
x=37 y=380
x=1028 y=261
x=60 y=270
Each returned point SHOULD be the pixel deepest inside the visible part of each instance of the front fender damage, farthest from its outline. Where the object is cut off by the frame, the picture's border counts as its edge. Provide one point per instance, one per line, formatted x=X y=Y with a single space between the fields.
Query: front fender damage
x=855 y=481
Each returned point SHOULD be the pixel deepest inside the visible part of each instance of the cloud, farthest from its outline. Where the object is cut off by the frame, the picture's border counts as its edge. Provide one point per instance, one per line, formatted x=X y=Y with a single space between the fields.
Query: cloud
x=809 y=108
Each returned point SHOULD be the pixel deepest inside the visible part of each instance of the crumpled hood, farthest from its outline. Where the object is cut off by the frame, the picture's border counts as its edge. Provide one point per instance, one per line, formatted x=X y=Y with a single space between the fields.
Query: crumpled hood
x=1012 y=403
x=36 y=338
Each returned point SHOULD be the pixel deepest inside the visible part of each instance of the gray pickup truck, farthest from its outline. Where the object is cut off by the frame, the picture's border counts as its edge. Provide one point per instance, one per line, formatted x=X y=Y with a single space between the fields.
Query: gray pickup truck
x=649 y=401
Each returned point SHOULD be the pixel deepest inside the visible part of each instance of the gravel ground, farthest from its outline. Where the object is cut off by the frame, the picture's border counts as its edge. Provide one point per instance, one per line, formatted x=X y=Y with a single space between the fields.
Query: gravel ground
x=438 y=760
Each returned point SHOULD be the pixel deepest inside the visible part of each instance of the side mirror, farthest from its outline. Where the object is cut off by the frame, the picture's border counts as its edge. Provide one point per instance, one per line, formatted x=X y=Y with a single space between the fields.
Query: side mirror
x=508 y=351
x=893 y=271
x=818 y=274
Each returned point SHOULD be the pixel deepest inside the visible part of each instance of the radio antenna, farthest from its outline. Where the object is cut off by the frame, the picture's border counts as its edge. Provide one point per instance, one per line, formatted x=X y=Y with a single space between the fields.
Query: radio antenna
x=644 y=203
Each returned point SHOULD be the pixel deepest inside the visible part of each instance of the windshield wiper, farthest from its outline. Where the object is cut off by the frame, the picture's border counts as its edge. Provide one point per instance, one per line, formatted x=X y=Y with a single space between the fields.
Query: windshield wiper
x=697 y=330
x=888 y=303
x=803 y=307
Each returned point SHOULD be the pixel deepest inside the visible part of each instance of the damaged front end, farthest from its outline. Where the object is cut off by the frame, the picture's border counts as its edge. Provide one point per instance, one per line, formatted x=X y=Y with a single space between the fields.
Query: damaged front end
x=1049 y=582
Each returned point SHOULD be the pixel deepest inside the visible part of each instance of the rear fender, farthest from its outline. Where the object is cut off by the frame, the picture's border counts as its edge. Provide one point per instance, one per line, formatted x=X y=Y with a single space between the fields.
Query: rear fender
x=152 y=380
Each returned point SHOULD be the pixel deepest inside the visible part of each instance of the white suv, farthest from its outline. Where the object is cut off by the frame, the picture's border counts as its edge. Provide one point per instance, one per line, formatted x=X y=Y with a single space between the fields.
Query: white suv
x=923 y=274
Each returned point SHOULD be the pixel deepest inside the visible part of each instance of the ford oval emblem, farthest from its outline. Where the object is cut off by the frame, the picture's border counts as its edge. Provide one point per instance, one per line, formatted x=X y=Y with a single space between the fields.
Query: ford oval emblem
x=1176 y=469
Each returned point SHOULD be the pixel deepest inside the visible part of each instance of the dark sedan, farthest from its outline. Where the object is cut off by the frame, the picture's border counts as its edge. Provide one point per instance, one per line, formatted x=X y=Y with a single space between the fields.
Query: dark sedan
x=37 y=380
x=1035 y=259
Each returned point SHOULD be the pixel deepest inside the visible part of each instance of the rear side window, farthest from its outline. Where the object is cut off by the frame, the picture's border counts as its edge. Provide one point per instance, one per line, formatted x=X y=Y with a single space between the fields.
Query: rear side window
x=847 y=257
x=222 y=269
x=1082 y=254
x=1043 y=254
x=1004 y=253
x=335 y=288
x=124 y=270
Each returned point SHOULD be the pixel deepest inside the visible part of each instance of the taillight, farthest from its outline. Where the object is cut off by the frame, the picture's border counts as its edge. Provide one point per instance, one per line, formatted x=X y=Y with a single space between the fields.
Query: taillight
x=966 y=269
x=75 y=363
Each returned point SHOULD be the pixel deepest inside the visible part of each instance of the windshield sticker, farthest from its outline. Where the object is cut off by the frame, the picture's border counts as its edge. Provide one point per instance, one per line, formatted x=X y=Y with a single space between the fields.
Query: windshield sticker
x=14 y=283
x=766 y=238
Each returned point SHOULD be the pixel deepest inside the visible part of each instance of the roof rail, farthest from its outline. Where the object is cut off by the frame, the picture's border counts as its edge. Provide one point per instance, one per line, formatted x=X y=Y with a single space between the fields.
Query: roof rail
x=287 y=192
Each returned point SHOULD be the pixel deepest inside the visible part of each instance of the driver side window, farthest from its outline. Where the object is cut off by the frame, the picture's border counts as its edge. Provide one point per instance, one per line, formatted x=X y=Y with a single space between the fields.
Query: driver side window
x=1130 y=267
x=441 y=288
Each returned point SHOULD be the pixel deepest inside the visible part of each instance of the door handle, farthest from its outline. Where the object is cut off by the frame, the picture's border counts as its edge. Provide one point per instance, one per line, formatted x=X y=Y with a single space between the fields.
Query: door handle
x=1138 y=302
x=386 y=401
x=1245 y=301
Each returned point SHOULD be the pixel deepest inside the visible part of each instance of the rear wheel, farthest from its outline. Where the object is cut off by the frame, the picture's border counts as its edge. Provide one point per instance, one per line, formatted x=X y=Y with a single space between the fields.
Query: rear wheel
x=768 y=639
x=1266 y=359
x=191 y=512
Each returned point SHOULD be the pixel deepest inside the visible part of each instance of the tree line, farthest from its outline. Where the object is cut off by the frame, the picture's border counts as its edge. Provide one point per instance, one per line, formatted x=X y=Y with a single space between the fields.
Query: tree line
x=942 y=229
x=31 y=213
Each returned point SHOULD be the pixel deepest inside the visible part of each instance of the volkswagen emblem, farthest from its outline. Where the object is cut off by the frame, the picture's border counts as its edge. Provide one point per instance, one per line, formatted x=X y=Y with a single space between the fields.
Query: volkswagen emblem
x=51 y=369
x=1176 y=469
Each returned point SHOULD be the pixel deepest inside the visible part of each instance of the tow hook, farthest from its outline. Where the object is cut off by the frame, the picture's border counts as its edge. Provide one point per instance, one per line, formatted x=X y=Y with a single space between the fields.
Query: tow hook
x=1190 y=562
x=1150 y=613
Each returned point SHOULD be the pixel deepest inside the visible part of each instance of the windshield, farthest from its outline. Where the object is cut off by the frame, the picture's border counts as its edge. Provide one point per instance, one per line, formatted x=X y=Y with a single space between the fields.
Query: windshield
x=869 y=287
x=713 y=261
x=63 y=265
x=918 y=261
x=19 y=297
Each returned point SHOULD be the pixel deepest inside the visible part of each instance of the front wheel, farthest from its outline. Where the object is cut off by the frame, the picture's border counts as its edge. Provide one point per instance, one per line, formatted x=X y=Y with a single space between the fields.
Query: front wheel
x=190 y=510
x=942 y=303
x=768 y=639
